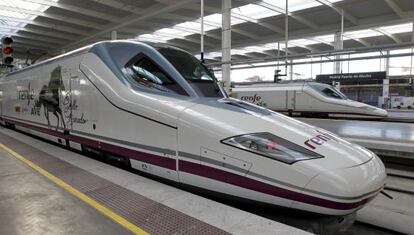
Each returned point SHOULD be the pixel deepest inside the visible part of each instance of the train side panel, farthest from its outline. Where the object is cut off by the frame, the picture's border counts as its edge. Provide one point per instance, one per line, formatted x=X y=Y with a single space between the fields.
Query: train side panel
x=274 y=98
x=97 y=116
x=59 y=102
x=33 y=97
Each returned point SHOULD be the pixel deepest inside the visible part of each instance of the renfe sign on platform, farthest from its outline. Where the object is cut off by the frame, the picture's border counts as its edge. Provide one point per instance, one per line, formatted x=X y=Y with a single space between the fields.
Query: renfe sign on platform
x=351 y=76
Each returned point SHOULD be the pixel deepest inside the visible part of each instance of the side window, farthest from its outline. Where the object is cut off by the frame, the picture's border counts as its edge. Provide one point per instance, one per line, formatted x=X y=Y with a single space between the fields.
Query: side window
x=146 y=73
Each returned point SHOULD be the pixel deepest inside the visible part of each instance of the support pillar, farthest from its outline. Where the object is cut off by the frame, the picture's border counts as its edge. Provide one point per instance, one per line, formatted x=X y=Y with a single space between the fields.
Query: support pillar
x=412 y=49
x=386 y=84
x=226 y=44
x=339 y=45
x=114 y=35
x=287 y=41
x=202 y=31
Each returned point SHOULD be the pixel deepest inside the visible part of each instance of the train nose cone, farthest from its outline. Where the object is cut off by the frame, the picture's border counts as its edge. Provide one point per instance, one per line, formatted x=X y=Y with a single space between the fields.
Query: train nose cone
x=349 y=189
x=381 y=112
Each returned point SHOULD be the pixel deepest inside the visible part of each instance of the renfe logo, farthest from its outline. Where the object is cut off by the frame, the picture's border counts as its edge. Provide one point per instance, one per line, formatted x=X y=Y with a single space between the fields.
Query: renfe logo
x=317 y=140
x=26 y=94
x=251 y=99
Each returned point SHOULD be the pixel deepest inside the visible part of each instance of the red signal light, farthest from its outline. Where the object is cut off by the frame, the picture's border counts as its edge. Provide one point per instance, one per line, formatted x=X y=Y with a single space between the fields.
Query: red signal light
x=7 y=50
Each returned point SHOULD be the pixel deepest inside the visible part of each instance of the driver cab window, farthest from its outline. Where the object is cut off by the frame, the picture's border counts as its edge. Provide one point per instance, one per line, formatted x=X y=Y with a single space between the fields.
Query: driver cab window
x=328 y=91
x=331 y=93
x=145 y=73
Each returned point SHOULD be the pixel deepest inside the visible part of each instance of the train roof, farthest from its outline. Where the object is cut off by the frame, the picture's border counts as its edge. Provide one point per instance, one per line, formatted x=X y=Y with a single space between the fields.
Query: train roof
x=90 y=48
x=272 y=84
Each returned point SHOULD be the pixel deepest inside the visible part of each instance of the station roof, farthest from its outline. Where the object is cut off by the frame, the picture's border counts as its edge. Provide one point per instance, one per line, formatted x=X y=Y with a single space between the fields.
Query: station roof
x=54 y=26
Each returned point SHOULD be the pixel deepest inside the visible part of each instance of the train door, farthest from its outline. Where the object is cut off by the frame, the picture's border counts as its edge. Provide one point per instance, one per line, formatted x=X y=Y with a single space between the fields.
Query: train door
x=302 y=101
x=66 y=97
x=290 y=100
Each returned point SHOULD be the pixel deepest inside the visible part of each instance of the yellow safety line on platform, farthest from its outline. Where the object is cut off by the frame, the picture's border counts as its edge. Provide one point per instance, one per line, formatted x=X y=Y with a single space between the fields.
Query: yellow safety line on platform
x=114 y=216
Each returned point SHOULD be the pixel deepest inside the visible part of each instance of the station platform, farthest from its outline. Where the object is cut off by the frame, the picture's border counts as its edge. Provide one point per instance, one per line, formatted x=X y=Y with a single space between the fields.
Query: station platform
x=46 y=189
x=389 y=138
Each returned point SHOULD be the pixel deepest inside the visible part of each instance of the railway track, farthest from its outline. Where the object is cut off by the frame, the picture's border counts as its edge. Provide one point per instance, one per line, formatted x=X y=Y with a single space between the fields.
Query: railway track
x=394 y=216
x=400 y=176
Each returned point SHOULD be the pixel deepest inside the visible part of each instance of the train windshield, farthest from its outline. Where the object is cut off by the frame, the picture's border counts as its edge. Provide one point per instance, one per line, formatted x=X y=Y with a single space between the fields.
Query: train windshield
x=199 y=77
x=328 y=91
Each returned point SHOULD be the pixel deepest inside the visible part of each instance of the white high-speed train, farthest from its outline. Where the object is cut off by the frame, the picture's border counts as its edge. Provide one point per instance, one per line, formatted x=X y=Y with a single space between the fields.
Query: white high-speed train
x=159 y=109
x=305 y=98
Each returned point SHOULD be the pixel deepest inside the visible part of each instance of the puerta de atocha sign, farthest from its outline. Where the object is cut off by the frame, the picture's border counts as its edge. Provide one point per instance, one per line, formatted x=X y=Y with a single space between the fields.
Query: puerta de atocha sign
x=351 y=77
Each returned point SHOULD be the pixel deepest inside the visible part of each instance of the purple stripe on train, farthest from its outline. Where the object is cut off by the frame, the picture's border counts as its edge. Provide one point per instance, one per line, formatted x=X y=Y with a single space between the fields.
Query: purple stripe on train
x=201 y=170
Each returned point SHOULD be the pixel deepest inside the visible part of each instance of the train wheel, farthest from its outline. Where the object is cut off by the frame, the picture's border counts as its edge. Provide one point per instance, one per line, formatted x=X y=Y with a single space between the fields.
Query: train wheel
x=117 y=160
x=398 y=107
x=10 y=125
x=409 y=107
x=94 y=153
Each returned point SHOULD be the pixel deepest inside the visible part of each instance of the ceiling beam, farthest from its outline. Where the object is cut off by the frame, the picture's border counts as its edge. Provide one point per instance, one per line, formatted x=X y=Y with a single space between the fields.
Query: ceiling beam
x=323 y=42
x=307 y=47
x=37 y=40
x=241 y=17
x=60 y=36
x=31 y=44
x=259 y=22
x=268 y=53
x=25 y=48
x=361 y=41
x=170 y=16
x=367 y=23
x=131 y=19
x=52 y=16
x=347 y=16
x=119 y=5
x=185 y=39
x=76 y=9
x=45 y=25
x=47 y=40
x=297 y=17
x=394 y=6
x=390 y=35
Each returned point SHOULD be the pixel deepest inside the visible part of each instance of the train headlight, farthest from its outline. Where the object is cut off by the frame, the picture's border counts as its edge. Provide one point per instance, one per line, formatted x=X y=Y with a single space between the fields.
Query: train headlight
x=271 y=146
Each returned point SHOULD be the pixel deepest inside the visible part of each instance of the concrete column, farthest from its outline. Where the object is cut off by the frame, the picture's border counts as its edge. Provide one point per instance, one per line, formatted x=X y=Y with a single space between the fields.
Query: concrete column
x=338 y=45
x=226 y=44
x=412 y=49
x=202 y=31
x=114 y=35
x=286 y=49
x=386 y=83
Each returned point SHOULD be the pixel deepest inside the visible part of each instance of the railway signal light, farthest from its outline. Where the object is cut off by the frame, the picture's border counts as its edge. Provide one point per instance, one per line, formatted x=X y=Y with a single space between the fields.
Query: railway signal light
x=277 y=75
x=7 y=50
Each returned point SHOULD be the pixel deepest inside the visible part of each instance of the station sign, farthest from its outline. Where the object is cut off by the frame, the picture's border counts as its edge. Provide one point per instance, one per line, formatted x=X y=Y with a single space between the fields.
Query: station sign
x=351 y=77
